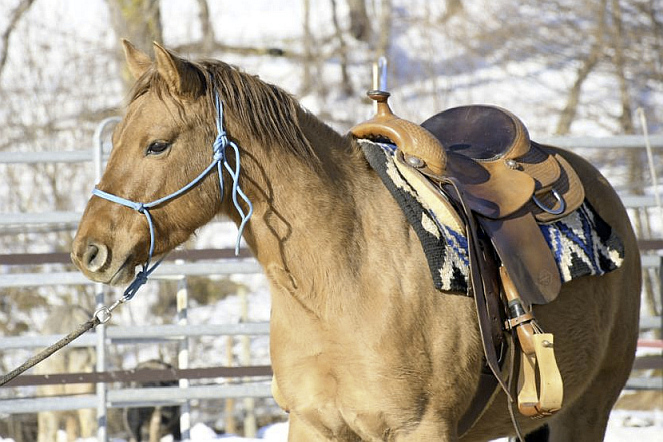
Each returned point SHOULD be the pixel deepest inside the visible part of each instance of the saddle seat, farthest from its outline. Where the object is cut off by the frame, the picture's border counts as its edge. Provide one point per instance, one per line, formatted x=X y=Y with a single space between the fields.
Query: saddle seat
x=488 y=151
x=500 y=169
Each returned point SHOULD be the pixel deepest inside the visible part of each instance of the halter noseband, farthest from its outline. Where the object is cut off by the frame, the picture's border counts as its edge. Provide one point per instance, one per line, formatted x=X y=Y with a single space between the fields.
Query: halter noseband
x=220 y=161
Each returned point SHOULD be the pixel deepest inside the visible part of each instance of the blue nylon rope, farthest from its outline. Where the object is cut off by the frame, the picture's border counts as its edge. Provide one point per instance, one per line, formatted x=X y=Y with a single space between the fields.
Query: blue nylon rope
x=220 y=161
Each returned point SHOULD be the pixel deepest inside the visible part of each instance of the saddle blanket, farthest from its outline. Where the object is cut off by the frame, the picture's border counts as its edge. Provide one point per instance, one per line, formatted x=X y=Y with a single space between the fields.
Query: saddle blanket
x=582 y=242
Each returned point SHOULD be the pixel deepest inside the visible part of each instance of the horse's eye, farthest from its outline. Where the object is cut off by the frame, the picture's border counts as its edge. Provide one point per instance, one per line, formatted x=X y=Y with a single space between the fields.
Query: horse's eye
x=157 y=147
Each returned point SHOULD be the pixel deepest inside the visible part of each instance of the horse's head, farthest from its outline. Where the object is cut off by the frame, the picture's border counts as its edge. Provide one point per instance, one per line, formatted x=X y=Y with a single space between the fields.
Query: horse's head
x=164 y=142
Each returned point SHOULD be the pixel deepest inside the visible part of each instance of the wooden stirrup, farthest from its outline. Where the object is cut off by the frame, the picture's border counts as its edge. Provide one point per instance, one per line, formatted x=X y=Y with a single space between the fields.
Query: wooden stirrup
x=536 y=351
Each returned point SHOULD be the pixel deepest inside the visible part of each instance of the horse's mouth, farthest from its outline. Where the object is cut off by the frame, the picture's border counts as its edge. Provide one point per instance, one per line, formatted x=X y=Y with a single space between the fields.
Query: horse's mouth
x=124 y=273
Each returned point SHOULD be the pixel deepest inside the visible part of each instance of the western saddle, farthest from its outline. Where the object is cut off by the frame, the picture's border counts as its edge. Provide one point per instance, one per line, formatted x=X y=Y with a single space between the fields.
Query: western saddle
x=500 y=184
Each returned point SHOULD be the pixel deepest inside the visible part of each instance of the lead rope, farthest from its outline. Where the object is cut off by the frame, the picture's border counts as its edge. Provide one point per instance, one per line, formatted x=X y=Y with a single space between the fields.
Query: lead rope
x=103 y=314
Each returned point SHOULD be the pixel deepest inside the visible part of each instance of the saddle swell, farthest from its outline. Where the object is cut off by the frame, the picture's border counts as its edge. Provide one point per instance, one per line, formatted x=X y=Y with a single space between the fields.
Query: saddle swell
x=419 y=147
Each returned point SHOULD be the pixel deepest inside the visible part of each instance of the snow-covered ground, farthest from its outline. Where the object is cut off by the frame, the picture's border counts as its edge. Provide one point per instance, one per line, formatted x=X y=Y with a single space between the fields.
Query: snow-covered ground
x=624 y=426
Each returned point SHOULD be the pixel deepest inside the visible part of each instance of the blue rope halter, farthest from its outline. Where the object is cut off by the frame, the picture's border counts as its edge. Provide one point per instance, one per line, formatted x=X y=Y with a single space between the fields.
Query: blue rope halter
x=220 y=161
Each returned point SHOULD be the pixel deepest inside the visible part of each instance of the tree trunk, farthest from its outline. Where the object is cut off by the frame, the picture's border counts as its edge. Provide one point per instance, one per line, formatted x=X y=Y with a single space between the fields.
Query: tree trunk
x=138 y=21
x=626 y=118
x=360 y=25
x=384 y=33
x=657 y=40
x=206 y=27
x=454 y=7
x=346 y=84
x=307 y=77
x=570 y=110
x=15 y=17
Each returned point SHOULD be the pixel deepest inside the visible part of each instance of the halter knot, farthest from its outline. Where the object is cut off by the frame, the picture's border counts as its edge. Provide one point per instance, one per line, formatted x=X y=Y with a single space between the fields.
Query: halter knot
x=219 y=146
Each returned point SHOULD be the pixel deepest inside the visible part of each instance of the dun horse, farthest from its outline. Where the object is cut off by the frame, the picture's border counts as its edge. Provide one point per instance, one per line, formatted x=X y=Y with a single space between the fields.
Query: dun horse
x=363 y=345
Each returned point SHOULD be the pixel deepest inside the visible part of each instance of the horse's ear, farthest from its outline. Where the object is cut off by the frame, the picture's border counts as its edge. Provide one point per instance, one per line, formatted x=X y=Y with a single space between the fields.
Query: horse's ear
x=137 y=61
x=181 y=76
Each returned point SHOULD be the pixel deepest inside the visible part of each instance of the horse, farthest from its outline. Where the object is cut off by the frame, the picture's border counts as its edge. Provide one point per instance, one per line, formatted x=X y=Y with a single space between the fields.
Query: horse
x=363 y=346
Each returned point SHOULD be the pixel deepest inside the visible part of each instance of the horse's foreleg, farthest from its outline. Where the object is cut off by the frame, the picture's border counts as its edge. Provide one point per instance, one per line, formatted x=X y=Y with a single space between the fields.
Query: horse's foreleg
x=300 y=431
x=429 y=429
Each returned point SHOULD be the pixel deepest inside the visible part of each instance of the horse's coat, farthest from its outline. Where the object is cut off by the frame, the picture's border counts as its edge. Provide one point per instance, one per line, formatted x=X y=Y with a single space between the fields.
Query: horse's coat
x=363 y=346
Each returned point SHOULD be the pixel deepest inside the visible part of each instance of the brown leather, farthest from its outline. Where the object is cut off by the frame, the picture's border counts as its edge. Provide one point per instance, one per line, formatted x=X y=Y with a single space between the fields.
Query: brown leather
x=525 y=253
x=568 y=184
x=414 y=141
x=484 y=277
x=536 y=351
x=490 y=187
x=490 y=152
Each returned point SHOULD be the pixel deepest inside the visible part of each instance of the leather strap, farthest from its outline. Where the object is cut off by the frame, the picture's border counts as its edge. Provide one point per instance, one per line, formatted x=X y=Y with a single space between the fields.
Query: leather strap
x=523 y=250
x=483 y=279
x=483 y=396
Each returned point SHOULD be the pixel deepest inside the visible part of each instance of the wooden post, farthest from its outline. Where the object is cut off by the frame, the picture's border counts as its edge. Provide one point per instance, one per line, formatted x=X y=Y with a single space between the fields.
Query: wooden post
x=231 y=425
x=183 y=355
x=250 y=425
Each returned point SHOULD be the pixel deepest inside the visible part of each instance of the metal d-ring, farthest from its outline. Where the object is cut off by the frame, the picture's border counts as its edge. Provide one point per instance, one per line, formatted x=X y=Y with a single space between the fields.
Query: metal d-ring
x=558 y=197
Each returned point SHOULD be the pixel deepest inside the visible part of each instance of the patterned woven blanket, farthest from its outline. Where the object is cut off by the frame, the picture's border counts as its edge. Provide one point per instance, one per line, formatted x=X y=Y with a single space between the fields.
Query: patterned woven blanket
x=582 y=243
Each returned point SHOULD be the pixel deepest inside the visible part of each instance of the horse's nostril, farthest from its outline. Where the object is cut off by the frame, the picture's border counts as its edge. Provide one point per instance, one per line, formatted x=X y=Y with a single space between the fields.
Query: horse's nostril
x=95 y=256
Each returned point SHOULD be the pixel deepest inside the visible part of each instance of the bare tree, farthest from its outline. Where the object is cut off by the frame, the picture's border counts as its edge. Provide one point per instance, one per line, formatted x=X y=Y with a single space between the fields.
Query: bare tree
x=138 y=21
x=346 y=84
x=617 y=34
x=360 y=25
x=14 y=18
x=307 y=78
x=207 y=27
x=385 y=18
x=589 y=62
x=454 y=7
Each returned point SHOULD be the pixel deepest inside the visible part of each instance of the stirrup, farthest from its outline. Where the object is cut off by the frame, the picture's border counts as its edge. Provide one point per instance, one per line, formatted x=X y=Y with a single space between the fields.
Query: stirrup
x=536 y=351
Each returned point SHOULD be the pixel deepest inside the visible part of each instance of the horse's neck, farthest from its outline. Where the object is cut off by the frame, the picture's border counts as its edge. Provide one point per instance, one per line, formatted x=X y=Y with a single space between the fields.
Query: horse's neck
x=305 y=221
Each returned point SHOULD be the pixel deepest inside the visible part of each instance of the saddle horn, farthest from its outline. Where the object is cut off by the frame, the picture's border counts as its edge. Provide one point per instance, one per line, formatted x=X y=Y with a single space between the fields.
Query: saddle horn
x=419 y=147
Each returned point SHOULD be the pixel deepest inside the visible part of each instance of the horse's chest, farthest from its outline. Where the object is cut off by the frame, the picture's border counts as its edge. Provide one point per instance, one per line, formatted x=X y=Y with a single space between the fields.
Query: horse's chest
x=346 y=396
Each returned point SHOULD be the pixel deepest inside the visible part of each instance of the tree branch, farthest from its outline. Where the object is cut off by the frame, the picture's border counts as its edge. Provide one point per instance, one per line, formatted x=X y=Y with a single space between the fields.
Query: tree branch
x=16 y=15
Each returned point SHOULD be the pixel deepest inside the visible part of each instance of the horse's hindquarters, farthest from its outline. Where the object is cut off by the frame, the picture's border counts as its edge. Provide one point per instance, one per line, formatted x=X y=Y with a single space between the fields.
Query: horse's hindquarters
x=595 y=324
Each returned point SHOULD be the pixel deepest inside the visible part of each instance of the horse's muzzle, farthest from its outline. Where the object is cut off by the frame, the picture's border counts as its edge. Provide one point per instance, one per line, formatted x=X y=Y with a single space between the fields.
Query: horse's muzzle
x=95 y=260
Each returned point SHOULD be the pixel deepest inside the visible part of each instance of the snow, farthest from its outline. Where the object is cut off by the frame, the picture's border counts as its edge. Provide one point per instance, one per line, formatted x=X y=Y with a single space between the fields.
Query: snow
x=624 y=426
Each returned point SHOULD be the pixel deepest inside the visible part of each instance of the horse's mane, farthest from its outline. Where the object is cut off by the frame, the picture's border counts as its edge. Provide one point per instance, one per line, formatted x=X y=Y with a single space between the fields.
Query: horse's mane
x=270 y=114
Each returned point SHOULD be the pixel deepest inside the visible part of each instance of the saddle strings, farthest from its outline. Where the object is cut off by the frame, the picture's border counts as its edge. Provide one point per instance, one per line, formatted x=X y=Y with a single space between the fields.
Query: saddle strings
x=220 y=161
